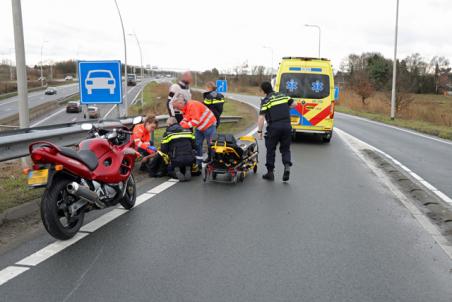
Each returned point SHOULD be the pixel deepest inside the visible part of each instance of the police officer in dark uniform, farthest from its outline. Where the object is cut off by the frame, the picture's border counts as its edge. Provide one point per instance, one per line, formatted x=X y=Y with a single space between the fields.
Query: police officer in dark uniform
x=179 y=144
x=214 y=101
x=275 y=109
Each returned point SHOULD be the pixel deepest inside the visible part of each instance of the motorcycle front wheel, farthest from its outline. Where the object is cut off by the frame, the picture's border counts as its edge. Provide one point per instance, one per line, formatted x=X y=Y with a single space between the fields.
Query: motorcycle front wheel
x=54 y=210
x=130 y=196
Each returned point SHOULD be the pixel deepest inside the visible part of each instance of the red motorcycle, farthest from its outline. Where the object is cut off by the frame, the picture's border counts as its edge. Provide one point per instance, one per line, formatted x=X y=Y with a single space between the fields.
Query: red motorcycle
x=95 y=176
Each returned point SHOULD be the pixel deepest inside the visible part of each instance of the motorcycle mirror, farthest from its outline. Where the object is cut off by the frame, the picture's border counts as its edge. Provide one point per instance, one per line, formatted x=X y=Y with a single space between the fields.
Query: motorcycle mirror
x=86 y=126
x=137 y=120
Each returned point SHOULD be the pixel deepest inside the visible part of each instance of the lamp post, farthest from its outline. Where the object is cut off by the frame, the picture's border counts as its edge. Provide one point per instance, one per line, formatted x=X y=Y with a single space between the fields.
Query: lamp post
x=271 y=64
x=42 y=76
x=21 y=68
x=141 y=63
x=10 y=64
x=394 y=67
x=124 y=97
x=320 y=34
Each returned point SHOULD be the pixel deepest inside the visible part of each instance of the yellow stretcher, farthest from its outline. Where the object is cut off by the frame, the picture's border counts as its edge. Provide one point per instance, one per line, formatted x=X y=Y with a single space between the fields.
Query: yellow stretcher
x=231 y=159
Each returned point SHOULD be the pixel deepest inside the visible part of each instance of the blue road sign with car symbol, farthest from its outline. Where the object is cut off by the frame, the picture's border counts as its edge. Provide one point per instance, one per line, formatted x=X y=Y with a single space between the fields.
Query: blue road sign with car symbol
x=100 y=82
x=222 y=86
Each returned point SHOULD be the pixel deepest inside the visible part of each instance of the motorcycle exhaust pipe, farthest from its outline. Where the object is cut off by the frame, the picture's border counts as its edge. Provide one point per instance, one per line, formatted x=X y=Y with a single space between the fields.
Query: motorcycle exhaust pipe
x=84 y=193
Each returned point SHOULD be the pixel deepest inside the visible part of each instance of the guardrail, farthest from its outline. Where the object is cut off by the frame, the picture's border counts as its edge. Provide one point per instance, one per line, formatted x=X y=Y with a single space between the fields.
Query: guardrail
x=14 y=143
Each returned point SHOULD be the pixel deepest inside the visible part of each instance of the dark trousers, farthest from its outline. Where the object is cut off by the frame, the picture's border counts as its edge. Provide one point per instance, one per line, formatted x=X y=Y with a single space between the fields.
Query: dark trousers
x=218 y=120
x=278 y=133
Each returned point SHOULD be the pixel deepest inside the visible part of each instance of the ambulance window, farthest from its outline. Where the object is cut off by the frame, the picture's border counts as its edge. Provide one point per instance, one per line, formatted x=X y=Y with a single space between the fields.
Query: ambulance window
x=304 y=85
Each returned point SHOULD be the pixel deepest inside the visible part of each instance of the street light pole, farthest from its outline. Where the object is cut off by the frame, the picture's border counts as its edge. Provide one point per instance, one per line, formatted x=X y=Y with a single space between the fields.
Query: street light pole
x=42 y=77
x=320 y=34
x=10 y=64
x=124 y=97
x=21 y=68
x=271 y=66
x=394 y=67
x=141 y=63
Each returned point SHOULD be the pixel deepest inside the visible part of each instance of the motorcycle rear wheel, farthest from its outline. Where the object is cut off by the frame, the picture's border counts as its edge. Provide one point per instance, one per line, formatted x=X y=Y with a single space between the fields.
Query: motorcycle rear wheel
x=54 y=213
x=128 y=201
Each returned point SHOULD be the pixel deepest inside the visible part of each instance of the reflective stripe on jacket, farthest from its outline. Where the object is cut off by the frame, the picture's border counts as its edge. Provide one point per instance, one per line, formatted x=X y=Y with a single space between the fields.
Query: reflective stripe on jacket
x=276 y=107
x=197 y=115
x=172 y=136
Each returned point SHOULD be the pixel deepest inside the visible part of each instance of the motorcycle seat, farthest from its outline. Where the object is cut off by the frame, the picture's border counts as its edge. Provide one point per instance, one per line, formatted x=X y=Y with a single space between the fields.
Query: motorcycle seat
x=87 y=157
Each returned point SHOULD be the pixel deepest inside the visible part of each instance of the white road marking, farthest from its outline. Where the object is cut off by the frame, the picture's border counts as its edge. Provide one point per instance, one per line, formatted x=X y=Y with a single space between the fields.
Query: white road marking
x=143 y=198
x=2 y=103
x=425 y=183
x=102 y=220
x=396 y=128
x=162 y=187
x=50 y=250
x=47 y=118
x=109 y=111
x=54 y=248
x=356 y=145
x=11 y=272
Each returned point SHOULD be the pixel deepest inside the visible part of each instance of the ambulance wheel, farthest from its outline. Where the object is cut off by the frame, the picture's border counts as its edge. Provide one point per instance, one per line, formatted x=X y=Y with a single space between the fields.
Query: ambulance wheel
x=326 y=138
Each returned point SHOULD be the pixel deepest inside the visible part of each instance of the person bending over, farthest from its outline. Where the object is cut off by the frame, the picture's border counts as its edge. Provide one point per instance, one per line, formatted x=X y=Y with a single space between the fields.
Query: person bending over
x=179 y=144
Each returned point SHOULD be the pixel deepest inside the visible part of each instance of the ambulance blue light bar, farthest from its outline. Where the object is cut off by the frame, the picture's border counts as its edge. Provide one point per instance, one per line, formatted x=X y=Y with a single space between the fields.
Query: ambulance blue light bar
x=314 y=69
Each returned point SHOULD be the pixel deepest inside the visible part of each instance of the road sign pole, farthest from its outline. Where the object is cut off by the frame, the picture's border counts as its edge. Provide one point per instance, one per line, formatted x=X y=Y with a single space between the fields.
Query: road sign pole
x=394 y=67
x=21 y=68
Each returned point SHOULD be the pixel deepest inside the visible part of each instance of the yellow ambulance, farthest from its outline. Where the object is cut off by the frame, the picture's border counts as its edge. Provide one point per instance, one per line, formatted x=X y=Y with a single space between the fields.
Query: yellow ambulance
x=310 y=82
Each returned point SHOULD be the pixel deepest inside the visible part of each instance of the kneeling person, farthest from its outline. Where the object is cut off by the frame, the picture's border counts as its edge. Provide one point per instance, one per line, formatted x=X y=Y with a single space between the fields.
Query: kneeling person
x=179 y=144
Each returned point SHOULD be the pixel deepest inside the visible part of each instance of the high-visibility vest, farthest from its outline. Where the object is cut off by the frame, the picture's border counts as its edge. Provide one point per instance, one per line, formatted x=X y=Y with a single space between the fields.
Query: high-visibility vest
x=141 y=137
x=197 y=115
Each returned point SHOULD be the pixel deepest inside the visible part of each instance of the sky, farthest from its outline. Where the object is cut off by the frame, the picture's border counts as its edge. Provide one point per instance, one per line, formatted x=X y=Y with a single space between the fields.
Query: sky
x=200 y=35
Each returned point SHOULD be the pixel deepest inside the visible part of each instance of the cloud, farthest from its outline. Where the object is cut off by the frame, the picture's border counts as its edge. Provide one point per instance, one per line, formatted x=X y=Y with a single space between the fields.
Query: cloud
x=201 y=34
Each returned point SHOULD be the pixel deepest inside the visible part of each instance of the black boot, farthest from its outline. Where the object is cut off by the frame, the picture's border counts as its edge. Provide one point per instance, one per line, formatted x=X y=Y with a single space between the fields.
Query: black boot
x=179 y=174
x=187 y=174
x=286 y=174
x=269 y=176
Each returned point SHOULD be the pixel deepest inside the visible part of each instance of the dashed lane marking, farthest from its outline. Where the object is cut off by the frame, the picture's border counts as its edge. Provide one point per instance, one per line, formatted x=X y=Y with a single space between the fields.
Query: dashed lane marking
x=54 y=248
x=11 y=272
x=47 y=118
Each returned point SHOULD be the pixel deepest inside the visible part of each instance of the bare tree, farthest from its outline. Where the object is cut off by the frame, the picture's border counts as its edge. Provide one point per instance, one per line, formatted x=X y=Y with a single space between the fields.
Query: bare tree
x=361 y=85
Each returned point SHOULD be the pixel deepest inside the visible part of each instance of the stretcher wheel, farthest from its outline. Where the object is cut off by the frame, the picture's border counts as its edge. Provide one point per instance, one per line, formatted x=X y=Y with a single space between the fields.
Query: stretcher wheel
x=241 y=176
x=255 y=169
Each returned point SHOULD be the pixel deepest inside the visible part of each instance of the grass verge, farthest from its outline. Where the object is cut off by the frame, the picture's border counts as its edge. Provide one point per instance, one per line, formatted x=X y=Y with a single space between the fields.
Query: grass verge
x=421 y=126
x=13 y=186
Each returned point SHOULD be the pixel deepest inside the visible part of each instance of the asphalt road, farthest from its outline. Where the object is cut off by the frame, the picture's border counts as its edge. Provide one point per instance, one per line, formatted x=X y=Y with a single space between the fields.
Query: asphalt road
x=334 y=233
x=428 y=156
x=9 y=106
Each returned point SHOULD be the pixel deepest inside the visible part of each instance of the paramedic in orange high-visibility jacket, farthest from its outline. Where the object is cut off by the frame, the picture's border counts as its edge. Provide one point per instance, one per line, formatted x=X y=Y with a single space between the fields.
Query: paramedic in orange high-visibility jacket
x=197 y=115
x=142 y=136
